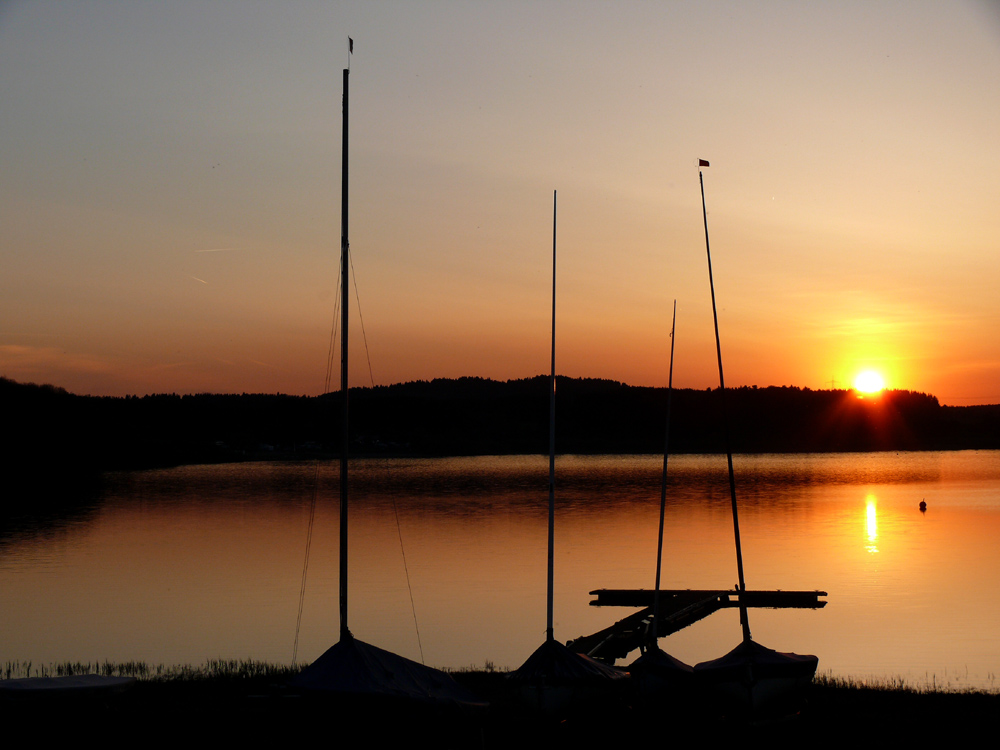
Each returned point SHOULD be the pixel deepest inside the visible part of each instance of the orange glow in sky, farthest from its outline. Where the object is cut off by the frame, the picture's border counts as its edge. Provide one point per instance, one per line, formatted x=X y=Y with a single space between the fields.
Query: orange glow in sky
x=171 y=194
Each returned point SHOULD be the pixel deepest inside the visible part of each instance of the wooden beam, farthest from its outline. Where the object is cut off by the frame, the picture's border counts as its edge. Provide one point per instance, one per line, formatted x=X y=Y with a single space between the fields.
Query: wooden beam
x=678 y=609
x=644 y=597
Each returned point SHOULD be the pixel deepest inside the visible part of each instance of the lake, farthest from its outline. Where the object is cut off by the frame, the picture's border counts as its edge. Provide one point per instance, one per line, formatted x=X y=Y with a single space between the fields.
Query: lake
x=193 y=563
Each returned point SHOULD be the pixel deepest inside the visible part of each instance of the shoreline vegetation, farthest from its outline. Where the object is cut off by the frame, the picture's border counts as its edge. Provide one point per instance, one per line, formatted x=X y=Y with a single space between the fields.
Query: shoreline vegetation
x=248 y=670
x=86 y=435
x=249 y=699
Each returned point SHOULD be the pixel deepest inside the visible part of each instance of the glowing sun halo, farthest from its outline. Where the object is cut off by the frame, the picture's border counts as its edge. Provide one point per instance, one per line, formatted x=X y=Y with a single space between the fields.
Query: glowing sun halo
x=869 y=381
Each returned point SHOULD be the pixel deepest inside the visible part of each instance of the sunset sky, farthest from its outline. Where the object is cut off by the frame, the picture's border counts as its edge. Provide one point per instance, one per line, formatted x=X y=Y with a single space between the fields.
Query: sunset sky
x=170 y=191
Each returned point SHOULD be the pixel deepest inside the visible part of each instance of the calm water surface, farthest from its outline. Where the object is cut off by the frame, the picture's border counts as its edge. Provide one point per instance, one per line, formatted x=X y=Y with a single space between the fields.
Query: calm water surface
x=188 y=564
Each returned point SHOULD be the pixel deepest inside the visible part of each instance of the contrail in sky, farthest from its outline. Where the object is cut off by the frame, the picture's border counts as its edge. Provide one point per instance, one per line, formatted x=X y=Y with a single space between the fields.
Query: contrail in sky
x=201 y=280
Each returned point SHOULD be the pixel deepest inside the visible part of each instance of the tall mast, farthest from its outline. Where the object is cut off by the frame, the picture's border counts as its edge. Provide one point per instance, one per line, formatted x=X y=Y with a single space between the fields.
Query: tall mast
x=345 y=266
x=744 y=621
x=663 y=485
x=552 y=436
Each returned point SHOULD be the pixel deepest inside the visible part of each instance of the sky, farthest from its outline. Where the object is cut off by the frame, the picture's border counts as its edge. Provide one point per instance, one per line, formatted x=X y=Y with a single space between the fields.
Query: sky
x=170 y=192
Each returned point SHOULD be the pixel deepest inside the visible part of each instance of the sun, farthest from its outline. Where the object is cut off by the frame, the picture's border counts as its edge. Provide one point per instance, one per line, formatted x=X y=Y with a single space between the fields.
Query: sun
x=869 y=381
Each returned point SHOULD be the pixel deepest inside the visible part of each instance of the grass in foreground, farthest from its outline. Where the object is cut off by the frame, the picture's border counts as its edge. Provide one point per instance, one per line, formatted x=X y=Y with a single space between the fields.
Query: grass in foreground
x=213 y=669
x=247 y=669
x=247 y=700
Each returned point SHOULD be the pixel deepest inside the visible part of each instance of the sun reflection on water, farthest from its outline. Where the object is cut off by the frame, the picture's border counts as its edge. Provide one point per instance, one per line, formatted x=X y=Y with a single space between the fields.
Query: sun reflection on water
x=871 y=523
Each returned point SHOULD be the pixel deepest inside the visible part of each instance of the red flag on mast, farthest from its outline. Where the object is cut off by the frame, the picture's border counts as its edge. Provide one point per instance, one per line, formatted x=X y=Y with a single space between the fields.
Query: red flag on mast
x=702 y=163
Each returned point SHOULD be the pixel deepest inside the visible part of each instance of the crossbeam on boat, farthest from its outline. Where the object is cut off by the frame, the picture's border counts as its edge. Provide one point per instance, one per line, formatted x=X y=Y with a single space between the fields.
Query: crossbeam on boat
x=678 y=609
x=772 y=599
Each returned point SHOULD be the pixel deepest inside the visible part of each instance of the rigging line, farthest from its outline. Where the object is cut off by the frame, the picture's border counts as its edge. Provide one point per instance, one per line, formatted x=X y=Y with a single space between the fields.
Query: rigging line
x=305 y=564
x=330 y=354
x=361 y=318
x=312 y=502
x=331 y=357
x=413 y=607
x=395 y=510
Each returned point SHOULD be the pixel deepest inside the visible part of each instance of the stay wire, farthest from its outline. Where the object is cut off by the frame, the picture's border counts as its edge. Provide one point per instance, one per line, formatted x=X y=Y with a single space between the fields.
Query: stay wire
x=330 y=355
x=361 y=318
x=312 y=508
x=305 y=566
x=315 y=487
x=406 y=569
x=395 y=509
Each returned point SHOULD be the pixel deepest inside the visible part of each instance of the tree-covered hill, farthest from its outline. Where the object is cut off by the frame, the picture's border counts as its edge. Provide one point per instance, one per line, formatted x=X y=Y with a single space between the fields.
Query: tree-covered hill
x=470 y=416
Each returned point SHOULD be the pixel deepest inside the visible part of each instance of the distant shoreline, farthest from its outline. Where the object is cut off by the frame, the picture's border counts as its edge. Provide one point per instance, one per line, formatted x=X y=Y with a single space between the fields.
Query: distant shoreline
x=469 y=417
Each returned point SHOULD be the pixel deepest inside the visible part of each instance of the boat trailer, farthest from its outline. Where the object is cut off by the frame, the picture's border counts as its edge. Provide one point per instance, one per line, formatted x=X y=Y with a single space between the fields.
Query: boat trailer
x=678 y=609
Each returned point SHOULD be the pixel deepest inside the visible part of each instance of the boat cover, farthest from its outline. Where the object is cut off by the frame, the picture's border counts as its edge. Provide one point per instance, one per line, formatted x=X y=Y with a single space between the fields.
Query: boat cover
x=762 y=661
x=658 y=661
x=553 y=663
x=353 y=668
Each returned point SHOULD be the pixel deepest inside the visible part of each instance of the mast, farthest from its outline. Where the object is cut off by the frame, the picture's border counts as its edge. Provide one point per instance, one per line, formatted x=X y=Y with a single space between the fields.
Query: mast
x=345 y=265
x=744 y=622
x=552 y=437
x=663 y=485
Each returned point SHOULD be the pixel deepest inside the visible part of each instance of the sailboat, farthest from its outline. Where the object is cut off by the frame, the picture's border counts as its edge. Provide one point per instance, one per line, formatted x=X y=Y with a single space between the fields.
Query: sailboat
x=555 y=680
x=360 y=674
x=752 y=678
x=656 y=672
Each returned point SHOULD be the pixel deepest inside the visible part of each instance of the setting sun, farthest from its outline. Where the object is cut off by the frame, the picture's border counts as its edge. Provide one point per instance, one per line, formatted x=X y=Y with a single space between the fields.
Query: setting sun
x=869 y=381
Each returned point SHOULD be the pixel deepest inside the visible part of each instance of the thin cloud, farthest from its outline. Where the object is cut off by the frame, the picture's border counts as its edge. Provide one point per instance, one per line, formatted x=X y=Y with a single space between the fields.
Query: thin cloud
x=38 y=361
x=262 y=364
x=167 y=366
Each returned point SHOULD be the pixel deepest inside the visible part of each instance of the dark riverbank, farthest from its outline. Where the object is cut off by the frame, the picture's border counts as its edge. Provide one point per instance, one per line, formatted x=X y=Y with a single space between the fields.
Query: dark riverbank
x=260 y=709
x=46 y=426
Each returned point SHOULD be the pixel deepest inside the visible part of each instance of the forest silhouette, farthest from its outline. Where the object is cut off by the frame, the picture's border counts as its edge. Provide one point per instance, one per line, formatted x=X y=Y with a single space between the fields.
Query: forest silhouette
x=47 y=426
